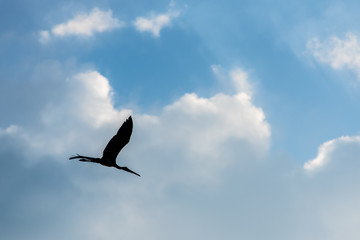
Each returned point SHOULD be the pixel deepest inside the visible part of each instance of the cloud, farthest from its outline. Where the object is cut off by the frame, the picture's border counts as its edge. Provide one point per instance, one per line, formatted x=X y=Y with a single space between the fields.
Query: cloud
x=190 y=144
x=213 y=148
x=339 y=53
x=44 y=36
x=195 y=131
x=12 y=129
x=84 y=25
x=330 y=188
x=97 y=21
x=200 y=135
x=86 y=103
x=327 y=149
x=155 y=22
x=324 y=150
x=238 y=78
x=88 y=24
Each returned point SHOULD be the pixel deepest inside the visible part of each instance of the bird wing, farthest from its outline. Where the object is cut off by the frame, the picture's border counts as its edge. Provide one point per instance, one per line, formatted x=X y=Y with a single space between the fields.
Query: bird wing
x=118 y=141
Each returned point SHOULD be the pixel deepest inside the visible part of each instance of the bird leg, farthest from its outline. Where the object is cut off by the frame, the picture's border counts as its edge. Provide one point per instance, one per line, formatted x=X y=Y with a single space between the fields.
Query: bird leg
x=126 y=169
x=75 y=156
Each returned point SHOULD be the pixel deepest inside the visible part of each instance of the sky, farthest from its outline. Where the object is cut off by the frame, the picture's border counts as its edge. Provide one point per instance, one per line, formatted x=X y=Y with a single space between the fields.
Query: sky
x=246 y=121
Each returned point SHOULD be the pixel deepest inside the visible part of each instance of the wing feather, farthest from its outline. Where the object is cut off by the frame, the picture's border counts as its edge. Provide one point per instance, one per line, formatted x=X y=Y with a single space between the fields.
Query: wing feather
x=118 y=141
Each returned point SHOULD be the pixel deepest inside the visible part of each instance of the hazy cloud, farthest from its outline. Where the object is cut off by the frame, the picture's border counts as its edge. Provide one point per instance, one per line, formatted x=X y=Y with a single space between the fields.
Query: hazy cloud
x=44 y=36
x=338 y=53
x=155 y=22
x=236 y=78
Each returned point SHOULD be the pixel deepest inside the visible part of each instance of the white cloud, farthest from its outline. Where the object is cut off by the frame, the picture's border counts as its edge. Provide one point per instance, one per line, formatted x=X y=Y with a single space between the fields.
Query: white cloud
x=94 y=98
x=339 y=53
x=181 y=152
x=85 y=104
x=326 y=150
x=83 y=24
x=155 y=22
x=199 y=133
x=237 y=76
x=88 y=24
x=192 y=143
x=208 y=135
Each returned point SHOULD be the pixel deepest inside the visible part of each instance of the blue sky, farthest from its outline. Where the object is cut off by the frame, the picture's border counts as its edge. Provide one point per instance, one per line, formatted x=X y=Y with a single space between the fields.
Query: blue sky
x=245 y=119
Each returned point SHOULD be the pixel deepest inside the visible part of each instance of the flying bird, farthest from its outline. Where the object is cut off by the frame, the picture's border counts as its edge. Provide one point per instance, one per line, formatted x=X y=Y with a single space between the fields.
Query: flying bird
x=113 y=148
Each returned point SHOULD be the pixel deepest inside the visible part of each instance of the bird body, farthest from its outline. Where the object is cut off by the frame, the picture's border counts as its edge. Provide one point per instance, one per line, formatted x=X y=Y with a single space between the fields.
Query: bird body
x=113 y=148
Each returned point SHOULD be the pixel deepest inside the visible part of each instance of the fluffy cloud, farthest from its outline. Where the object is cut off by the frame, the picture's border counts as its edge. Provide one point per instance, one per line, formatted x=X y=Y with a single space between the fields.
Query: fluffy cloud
x=190 y=144
x=208 y=134
x=86 y=105
x=339 y=53
x=155 y=22
x=327 y=149
x=197 y=132
x=195 y=148
x=330 y=188
x=97 y=21
x=83 y=24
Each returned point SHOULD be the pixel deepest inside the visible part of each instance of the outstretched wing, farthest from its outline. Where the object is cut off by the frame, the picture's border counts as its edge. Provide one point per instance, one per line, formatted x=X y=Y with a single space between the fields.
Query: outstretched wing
x=118 y=141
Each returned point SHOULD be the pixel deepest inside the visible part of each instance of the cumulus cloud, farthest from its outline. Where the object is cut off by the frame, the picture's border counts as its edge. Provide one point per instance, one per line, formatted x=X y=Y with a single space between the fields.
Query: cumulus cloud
x=192 y=142
x=339 y=53
x=195 y=131
x=86 y=103
x=184 y=153
x=209 y=135
x=155 y=22
x=83 y=24
x=326 y=150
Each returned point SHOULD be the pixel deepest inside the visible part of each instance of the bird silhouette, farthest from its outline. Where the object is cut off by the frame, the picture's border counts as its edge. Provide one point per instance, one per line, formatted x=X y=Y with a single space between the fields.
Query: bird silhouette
x=113 y=148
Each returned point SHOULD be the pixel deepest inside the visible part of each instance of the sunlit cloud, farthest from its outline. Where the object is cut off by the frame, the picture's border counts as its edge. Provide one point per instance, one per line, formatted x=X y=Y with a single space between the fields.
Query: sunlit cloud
x=326 y=150
x=83 y=25
x=192 y=146
x=202 y=128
